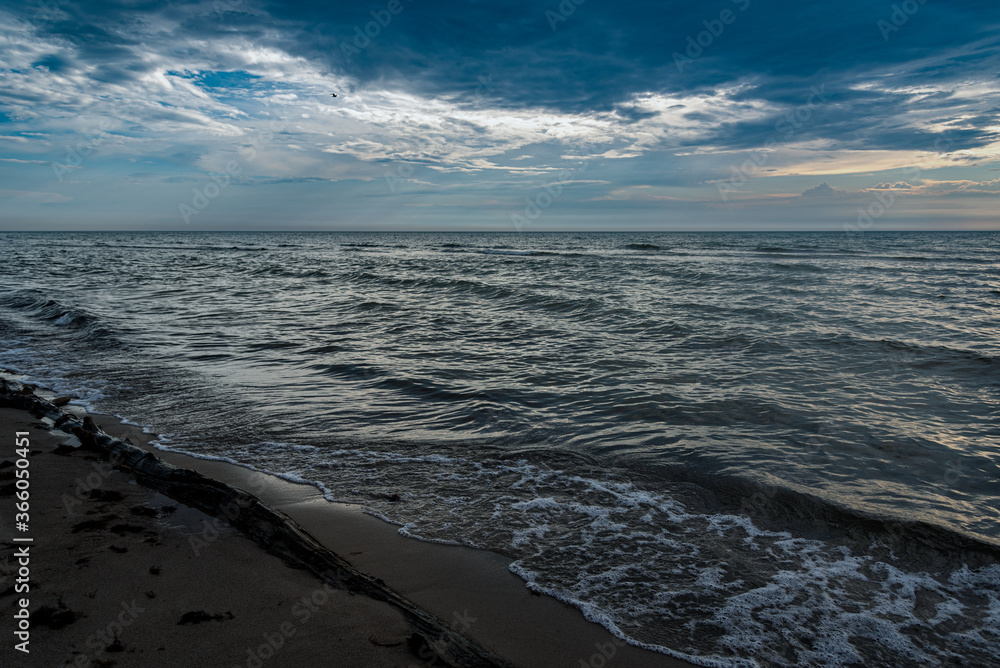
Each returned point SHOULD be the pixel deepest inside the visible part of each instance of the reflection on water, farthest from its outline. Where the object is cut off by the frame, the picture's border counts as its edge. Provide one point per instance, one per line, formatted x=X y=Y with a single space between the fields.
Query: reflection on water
x=664 y=429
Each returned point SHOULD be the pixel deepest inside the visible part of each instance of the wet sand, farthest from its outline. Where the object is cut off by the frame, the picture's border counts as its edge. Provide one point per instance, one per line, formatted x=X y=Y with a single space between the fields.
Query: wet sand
x=186 y=588
x=115 y=581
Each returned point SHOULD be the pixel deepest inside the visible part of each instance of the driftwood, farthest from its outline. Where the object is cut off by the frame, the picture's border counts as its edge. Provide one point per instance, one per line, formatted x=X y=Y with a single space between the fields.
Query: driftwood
x=270 y=528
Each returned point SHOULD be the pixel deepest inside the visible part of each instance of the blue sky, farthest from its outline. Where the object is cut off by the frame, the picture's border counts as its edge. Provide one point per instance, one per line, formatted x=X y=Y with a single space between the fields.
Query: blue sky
x=477 y=115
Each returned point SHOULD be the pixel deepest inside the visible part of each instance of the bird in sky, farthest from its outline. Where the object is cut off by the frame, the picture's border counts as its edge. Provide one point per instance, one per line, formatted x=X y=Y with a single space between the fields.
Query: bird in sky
x=333 y=94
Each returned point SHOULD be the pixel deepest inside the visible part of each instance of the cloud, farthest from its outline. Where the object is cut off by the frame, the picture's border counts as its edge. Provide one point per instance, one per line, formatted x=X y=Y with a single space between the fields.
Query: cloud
x=36 y=197
x=824 y=190
x=490 y=96
x=640 y=194
x=980 y=187
x=192 y=69
x=942 y=188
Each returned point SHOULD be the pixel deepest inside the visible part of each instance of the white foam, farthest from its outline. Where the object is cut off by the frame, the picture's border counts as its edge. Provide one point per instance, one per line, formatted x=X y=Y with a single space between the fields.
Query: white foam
x=547 y=503
x=35 y=367
x=162 y=442
x=649 y=549
x=408 y=531
x=821 y=599
x=271 y=445
x=597 y=615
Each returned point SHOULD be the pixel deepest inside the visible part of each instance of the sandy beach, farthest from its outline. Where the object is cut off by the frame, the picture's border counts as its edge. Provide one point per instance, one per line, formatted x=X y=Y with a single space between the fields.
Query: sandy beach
x=121 y=574
x=115 y=579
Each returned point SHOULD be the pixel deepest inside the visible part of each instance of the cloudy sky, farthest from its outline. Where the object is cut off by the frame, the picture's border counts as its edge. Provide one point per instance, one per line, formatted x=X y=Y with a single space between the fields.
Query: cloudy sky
x=471 y=114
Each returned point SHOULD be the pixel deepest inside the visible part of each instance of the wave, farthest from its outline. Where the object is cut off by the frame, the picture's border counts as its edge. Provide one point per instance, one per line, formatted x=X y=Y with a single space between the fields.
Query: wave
x=799 y=266
x=935 y=354
x=377 y=306
x=515 y=295
x=716 y=571
x=175 y=246
x=38 y=306
x=288 y=272
x=497 y=251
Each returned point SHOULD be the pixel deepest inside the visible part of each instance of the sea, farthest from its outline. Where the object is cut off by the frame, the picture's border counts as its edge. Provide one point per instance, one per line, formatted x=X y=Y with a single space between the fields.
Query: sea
x=741 y=449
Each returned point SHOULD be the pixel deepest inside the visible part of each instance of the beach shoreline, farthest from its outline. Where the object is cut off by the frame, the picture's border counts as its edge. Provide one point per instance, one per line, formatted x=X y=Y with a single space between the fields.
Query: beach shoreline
x=113 y=580
x=484 y=614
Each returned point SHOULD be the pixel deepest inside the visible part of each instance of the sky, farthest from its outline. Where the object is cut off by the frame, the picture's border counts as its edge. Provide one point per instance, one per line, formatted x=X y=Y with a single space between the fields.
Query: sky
x=513 y=116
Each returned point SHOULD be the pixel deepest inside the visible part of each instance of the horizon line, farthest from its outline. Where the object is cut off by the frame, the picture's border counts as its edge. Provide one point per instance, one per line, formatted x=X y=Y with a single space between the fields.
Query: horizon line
x=472 y=231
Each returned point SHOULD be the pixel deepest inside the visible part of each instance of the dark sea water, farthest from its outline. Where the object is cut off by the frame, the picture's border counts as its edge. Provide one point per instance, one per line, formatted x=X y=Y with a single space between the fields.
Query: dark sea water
x=743 y=449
